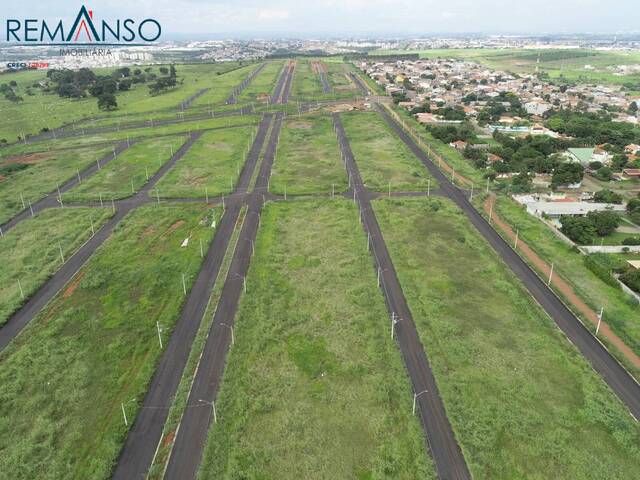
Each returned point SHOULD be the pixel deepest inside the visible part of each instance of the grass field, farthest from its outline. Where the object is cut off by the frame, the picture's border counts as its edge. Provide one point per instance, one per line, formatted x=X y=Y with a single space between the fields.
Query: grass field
x=522 y=401
x=314 y=387
x=211 y=166
x=306 y=82
x=45 y=110
x=261 y=88
x=622 y=313
x=222 y=85
x=43 y=173
x=30 y=253
x=308 y=158
x=95 y=346
x=567 y=63
x=382 y=157
x=128 y=172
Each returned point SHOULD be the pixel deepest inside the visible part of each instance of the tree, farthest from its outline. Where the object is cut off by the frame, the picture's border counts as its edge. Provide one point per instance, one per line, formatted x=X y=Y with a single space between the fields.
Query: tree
x=566 y=174
x=107 y=101
x=607 y=196
x=631 y=279
x=164 y=70
x=633 y=108
x=604 y=221
x=579 y=229
x=604 y=173
x=521 y=183
x=633 y=209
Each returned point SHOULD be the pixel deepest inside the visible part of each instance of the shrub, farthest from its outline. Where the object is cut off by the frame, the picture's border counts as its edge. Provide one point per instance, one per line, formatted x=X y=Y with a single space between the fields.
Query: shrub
x=603 y=273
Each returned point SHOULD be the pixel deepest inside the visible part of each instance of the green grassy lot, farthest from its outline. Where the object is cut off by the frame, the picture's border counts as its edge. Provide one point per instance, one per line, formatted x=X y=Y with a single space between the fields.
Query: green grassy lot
x=48 y=110
x=127 y=173
x=223 y=85
x=382 y=157
x=30 y=253
x=556 y=63
x=261 y=88
x=306 y=82
x=621 y=312
x=95 y=346
x=211 y=166
x=336 y=75
x=308 y=158
x=314 y=386
x=522 y=400
x=43 y=173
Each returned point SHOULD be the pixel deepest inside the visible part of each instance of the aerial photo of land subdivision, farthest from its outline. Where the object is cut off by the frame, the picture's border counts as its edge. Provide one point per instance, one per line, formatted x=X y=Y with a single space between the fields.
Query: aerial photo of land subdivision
x=278 y=240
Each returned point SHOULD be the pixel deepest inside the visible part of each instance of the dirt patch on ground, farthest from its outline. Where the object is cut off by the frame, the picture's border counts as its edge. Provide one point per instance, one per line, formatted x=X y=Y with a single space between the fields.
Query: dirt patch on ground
x=301 y=125
x=168 y=439
x=29 y=159
x=561 y=285
x=345 y=107
x=73 y=285
x=148 y=231
x=2 y=177
x=173 y=228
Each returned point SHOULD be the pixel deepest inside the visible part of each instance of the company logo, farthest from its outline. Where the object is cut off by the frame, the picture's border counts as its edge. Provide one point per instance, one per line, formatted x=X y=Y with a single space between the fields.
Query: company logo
x=85 y=30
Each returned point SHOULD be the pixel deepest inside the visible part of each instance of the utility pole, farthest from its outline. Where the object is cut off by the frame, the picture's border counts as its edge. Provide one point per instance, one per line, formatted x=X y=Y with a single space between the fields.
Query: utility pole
x=159 y=336
x=184 y=284
x=515 y=245
x=550 y=275
x=61 y=254
x=415 y=397
x=124 y=414
x=599 y=320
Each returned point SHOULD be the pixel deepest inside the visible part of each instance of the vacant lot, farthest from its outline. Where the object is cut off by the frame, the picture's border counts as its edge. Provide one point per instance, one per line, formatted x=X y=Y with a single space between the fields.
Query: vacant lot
x=35 y=175
x=308 y=158
x=222 y=85
x=126 y=174
x=261 y=88
x=94 y=347
x=306 y=82
x=522 y=401
x=381 y=156
x=30 y=253
x=314 y=386
x=211 y=166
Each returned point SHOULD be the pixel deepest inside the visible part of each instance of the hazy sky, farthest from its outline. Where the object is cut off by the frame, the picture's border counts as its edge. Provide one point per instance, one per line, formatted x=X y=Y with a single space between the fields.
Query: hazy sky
x=343 y=17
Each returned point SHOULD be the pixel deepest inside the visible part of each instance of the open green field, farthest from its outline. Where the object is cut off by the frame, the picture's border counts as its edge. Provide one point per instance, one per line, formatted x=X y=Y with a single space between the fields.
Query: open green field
x=308 y=158
x=211 y=166
x=306 y=82
x=521 y=399
x=314 y=387
x=622 y=313
x=48 y=110
x=128 y=172
x=569 y=63
x=30 y=253
x=39 y=174
x=382 y=157
x=261 y=88
x=337 y=77
x=95 y=346
x=223 y=85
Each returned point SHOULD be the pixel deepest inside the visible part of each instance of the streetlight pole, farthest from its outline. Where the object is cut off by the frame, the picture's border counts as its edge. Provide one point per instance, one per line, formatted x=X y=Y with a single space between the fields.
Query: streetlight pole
x=415 y=398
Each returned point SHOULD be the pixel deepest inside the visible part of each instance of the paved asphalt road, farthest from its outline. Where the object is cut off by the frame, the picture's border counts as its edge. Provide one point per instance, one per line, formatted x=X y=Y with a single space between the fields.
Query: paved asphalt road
x=187 y=103
x=326 y=88
x=233 y=98
x=360 y=84
x=145 y=434
x=192 y=433
x=620 y=381
x=35 y=303
x=445 y=450
x=51 y=200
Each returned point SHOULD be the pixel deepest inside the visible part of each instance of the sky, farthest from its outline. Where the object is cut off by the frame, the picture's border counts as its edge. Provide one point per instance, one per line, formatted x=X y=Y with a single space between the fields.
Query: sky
x=318 y=18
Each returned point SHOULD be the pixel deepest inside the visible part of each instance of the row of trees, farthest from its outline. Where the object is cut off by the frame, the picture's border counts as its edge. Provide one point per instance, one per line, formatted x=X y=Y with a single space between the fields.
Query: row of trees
x=84 y=82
